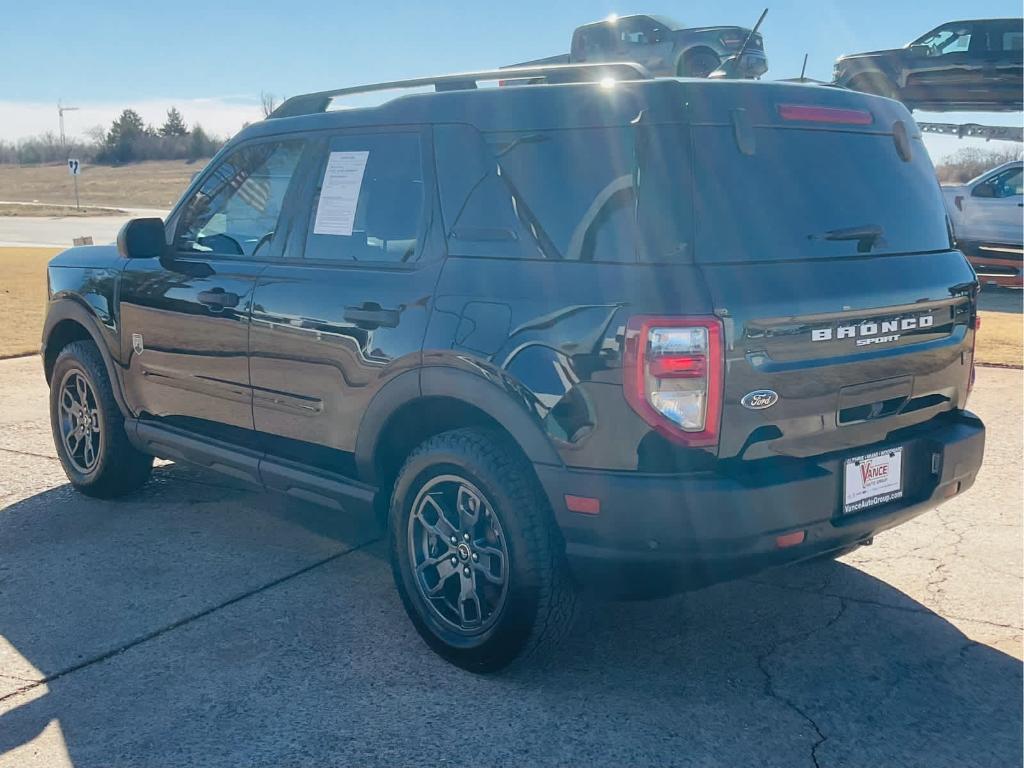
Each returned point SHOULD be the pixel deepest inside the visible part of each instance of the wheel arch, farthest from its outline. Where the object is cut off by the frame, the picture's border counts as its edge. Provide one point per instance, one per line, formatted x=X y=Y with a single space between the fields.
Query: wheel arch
x=69 y=321
x=693 y=50
x=422 y=403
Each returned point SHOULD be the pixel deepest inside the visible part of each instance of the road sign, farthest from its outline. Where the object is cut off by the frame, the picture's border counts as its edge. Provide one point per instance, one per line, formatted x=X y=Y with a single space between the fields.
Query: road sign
x=75 y=168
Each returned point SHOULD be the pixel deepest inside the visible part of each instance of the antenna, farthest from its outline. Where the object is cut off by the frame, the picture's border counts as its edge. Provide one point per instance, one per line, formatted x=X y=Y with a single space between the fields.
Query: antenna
x=61 y=109
x=803 y=68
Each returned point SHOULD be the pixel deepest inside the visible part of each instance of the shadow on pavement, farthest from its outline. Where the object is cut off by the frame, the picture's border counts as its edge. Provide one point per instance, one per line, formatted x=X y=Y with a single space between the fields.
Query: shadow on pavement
x=163 y=644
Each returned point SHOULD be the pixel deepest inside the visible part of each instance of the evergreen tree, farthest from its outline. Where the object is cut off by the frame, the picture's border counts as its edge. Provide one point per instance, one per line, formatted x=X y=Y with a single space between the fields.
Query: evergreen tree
x=124 y=135
x=174 y=125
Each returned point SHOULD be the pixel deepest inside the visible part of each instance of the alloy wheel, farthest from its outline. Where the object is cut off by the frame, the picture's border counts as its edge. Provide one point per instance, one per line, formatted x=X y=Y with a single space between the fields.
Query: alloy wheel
x=458 y=554
x=79 y=421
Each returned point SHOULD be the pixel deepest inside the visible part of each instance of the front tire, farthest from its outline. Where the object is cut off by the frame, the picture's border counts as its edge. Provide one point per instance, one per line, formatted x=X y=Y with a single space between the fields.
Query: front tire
x=476 y=557
x=88 y=427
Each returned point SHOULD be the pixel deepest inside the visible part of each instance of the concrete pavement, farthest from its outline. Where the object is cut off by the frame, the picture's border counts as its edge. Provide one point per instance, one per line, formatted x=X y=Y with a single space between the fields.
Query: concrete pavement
x=200 y=623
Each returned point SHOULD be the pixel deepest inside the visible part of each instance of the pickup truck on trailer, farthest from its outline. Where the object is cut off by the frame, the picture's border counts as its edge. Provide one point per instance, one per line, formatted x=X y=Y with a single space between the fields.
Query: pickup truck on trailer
x=665 y=47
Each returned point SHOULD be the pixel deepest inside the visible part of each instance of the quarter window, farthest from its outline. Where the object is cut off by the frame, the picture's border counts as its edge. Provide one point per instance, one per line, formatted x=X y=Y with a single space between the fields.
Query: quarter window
x=369 y=200
x=566 y=195
x=236 y=209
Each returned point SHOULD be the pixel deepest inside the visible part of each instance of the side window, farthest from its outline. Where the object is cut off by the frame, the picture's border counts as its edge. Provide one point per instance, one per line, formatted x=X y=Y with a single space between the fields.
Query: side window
x=369 y=200
x=636 y=32
x=564 y=194
x=1007 y=183
x=236 y=209
x=947 y=40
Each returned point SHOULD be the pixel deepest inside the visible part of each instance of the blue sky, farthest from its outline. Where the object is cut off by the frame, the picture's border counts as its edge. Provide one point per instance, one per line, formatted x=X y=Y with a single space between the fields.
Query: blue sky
x=213 y=59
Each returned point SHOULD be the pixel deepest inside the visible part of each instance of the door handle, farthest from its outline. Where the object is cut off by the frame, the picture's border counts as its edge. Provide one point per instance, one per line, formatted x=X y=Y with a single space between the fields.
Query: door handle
x=218 y=298
x=371 y=315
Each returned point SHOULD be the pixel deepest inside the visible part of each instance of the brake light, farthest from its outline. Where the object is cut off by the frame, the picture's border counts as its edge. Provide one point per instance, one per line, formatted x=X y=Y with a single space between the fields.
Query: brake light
x=672 y=375
x=834 y=115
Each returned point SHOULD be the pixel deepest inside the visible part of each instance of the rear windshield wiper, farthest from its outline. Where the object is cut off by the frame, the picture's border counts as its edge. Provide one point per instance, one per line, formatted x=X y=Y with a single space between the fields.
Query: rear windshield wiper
x=867 y=236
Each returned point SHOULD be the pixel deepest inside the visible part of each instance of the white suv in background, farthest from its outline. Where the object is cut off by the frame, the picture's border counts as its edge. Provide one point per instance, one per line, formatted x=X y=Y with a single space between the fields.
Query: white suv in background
x=988 y=222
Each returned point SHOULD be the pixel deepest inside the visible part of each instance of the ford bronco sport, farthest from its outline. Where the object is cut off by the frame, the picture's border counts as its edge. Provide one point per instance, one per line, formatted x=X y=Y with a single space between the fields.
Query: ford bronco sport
x=645 y=334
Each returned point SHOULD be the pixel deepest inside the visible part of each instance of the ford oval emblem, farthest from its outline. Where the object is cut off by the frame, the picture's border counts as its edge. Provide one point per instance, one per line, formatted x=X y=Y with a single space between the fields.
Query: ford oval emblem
x=759 y=399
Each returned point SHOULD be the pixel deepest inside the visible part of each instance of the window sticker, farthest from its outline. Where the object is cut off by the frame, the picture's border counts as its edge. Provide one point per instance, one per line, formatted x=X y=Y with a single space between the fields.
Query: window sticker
x=339 y=193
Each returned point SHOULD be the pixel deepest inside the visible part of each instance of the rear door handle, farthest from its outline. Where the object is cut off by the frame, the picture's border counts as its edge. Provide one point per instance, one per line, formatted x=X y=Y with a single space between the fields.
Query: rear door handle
x=371 y=315
x=218 y=298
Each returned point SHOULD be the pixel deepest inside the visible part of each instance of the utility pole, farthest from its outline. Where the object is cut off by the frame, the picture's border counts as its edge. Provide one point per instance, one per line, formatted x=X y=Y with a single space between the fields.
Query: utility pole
x=61 y=109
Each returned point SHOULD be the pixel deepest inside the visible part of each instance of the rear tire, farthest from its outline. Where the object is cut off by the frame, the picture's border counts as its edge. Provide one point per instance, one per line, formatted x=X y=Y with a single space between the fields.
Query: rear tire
x=88 y=427
x=476 y=557
x=698 y=64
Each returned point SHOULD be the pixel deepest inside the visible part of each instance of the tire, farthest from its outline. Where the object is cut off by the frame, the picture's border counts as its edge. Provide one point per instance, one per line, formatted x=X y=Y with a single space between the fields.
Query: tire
x=100 y=462
x=698 y=64
x=509 y=526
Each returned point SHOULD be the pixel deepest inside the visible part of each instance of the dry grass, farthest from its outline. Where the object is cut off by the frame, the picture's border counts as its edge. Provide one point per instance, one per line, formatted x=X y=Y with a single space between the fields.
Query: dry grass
x=1001 y=339
x=23 y=302
x=22 y=299
x=49 y=210
x=154 y=184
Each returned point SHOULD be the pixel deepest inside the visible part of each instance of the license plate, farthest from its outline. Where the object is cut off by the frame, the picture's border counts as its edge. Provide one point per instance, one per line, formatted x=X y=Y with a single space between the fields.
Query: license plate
x=876 y=478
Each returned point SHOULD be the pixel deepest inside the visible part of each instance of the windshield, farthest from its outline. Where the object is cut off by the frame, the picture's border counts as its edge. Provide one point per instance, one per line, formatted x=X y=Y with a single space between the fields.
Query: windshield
x=668 y=23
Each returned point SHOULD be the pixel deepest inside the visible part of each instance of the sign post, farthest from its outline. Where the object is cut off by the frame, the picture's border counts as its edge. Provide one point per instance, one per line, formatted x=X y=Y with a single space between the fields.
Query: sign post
x=74 y=168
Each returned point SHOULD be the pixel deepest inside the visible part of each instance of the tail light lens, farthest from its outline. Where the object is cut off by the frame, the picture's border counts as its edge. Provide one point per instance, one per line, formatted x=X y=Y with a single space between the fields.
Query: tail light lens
x=808 y=113
x=673 y=375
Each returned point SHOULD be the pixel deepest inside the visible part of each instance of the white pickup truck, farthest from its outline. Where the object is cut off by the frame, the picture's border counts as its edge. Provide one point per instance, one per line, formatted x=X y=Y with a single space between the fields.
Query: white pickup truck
x=988 y=223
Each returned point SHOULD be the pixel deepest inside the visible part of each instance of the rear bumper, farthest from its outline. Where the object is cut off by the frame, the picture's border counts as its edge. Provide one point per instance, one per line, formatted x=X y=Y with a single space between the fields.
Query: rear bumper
x=657 y=534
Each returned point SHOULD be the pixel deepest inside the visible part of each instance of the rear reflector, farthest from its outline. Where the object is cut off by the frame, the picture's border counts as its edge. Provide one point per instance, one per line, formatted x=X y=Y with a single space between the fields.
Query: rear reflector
x=584 y=505
x=679 y=367
x=790 y=539
x=834 y=115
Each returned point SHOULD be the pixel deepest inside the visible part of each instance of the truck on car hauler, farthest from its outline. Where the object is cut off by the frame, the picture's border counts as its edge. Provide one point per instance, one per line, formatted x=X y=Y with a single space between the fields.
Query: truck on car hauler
x=640 y=333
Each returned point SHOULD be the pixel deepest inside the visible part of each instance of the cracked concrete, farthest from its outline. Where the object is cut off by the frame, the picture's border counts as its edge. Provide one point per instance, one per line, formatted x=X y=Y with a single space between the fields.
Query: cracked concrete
x=200 y=623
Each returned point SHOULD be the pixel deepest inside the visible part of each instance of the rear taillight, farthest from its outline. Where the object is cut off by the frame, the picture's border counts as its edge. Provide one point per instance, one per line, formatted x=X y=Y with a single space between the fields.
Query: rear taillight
x=811 y=114
x=672 y=375
x=732 y=39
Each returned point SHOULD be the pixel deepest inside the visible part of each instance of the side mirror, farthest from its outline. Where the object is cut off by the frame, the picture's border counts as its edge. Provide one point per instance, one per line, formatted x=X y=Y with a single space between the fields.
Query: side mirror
x=987 y=189
x=920 y=51
x=141 y=239
x=656 y=36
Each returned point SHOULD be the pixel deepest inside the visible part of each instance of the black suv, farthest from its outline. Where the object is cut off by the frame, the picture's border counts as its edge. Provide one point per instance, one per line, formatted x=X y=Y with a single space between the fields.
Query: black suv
x=961 y=65
x=644 y=334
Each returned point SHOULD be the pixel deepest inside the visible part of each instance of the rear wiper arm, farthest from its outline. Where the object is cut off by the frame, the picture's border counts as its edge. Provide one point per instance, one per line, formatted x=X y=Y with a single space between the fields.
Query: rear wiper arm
x=867 y=236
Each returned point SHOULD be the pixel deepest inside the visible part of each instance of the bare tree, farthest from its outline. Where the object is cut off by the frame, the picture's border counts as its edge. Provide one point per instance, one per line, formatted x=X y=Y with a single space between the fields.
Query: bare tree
x=268 y=102
x=969 y=162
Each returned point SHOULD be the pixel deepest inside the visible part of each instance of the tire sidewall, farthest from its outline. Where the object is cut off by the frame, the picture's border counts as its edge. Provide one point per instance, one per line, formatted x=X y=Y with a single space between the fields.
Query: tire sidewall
x=65 y=365
x=506 y=636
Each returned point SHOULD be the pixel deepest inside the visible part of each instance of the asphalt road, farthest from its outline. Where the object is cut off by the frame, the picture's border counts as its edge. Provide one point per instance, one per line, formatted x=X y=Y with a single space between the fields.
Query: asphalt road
x=197 y=623
x=60 y=231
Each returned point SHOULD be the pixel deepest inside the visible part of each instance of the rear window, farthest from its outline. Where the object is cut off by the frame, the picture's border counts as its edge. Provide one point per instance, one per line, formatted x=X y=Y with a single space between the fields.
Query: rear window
x=807 y=194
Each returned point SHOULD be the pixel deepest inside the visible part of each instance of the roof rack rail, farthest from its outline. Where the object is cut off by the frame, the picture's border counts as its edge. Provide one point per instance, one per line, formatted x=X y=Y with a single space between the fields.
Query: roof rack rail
x=312 y=103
